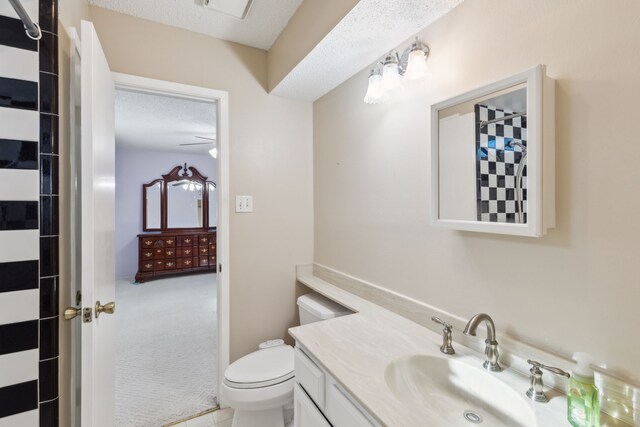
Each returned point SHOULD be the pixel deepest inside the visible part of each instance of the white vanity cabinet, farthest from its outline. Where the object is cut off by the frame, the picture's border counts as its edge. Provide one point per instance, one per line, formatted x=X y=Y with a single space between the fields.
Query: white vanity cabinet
x=320 y=401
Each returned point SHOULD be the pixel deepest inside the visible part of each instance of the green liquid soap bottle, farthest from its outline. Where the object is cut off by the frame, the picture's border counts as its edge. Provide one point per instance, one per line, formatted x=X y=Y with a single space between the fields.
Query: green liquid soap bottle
x=583 y=401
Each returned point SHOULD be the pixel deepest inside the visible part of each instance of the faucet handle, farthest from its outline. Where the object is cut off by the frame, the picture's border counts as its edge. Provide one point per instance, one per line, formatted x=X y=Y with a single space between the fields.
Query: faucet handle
x=441 y=322
x=447 y=347
x=536 y=391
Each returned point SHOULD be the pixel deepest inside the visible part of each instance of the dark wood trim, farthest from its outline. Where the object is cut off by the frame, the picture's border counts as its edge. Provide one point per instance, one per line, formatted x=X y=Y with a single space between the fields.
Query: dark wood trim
x=144 y=204
x=178 y=173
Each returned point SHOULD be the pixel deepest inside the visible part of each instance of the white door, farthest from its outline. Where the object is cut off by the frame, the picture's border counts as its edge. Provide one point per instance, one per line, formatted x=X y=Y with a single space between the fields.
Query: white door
x=97 y=228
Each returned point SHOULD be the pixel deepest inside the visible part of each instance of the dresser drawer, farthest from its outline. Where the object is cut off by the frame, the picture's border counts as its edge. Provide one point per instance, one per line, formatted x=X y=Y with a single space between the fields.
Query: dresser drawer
x=212 y=260
x=158 y=253
x=158 y=265
x=170 y=265
x=203 y=240
x=310 y=377
x=187 y=252
x=203 y=250
x=147 y=242
x=147 y=265
x=186 y=240
x=170 y=253
x=147 y=254
x=187 y=263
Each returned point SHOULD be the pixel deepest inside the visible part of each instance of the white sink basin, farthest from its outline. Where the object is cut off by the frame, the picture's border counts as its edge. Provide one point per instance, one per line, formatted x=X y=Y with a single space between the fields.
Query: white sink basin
x=456 y=393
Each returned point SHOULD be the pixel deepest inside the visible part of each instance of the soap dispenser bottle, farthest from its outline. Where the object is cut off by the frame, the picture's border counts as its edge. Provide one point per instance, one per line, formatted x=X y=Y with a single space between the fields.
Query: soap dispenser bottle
x=583 y=401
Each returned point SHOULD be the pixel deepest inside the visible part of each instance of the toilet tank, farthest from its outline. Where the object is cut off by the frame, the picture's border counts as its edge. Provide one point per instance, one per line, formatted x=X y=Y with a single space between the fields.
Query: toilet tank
x=314 y=307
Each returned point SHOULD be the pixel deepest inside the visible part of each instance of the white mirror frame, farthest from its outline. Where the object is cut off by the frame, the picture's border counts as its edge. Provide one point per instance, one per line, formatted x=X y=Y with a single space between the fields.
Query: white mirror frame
x=540 y=159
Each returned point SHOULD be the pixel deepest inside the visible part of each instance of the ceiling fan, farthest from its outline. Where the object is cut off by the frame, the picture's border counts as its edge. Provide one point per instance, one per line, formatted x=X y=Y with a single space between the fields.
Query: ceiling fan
x=200 y=143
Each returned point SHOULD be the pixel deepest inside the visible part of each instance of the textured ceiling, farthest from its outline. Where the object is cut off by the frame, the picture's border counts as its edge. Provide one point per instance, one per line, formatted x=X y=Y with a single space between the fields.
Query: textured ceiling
x=363 y=36
x=161 y=123
x=260 y=28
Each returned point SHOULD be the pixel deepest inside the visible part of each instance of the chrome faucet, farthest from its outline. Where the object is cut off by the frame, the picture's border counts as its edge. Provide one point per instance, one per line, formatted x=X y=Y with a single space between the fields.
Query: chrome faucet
x=491 y=345
x=447 y=347
x=536 y=391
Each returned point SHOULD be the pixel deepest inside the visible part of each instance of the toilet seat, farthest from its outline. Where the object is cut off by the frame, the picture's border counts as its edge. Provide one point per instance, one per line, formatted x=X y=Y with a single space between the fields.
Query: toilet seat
x=262 y=368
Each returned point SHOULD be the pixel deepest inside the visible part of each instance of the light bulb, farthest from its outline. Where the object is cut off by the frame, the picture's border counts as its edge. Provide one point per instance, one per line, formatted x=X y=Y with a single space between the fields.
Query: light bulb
x=390 y=76
x=375 y=93
x=416 y=65
x=214 y=152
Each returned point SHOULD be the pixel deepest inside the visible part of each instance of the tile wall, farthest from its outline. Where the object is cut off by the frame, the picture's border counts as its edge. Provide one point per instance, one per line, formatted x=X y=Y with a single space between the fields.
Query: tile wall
x=497 y=165
x=29 y=218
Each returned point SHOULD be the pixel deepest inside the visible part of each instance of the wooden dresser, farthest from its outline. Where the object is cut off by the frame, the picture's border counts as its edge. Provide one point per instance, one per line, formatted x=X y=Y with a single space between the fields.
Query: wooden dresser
x=170 y=252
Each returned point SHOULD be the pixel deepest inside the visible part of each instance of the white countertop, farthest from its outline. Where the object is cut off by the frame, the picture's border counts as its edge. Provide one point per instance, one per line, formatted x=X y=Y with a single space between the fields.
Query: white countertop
x=356 y=349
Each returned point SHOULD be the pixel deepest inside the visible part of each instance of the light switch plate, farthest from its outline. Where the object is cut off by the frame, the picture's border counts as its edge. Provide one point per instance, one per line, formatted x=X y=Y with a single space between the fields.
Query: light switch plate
x=244 y=204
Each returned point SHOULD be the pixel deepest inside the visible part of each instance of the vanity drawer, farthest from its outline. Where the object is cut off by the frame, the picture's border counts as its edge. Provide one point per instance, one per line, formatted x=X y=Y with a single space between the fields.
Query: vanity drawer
x=306 y=413
x=170 y=253
x=147 y=265
x=310 y=377
x=340 y=408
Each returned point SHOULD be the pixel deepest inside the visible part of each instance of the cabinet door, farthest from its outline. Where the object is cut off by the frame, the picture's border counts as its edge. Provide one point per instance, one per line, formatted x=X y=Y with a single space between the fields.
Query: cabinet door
x=306 y=413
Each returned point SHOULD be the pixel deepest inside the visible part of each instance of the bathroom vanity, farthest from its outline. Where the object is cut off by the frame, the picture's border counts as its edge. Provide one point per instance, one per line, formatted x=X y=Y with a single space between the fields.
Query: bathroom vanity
x=377 y=368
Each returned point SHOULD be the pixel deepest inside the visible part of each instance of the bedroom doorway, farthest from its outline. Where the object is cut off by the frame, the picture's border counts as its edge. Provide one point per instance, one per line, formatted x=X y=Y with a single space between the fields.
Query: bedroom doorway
x=170 y=233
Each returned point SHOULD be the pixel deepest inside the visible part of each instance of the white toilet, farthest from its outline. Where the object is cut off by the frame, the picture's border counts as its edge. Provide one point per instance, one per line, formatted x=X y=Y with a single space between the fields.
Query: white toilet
x=259 y=386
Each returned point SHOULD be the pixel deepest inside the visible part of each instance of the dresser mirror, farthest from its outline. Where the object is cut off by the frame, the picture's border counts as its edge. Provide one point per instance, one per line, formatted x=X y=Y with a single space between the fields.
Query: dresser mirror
x=152 y=194
x=182 y=199
x=492 y=157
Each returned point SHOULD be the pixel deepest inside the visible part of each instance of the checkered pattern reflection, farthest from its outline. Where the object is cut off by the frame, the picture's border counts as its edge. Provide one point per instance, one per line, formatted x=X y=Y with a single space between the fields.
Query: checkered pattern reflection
x=497 y=165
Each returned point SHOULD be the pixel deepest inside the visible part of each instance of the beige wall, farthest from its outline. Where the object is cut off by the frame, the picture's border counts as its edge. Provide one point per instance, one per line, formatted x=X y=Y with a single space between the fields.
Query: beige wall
x=575 y=289
x=307 y=27
x=271 y=159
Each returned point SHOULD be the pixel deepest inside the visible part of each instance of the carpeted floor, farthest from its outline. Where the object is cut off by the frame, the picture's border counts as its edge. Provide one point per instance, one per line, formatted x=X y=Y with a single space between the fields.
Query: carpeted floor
x=166 y=354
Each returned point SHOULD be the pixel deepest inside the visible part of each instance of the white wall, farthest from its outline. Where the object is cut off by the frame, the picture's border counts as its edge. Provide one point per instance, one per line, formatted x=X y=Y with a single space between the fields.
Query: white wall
x=270 y=158
x=135 y=167
x=577 y=288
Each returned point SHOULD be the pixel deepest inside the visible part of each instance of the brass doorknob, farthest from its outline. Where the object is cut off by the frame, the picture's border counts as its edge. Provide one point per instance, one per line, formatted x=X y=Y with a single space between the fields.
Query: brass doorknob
x=71 y=312
x=108 y=308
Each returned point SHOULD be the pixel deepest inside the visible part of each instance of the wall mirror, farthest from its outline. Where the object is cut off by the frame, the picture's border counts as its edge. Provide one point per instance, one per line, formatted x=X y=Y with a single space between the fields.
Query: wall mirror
x=183 y=199
x=493 y=157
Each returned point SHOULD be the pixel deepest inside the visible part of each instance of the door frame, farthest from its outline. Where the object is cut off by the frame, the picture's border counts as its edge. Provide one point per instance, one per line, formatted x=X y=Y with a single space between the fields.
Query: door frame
x=161 y=87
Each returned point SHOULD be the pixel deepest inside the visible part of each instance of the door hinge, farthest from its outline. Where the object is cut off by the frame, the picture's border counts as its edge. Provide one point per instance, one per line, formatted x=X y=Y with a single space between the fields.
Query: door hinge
x=78 y=297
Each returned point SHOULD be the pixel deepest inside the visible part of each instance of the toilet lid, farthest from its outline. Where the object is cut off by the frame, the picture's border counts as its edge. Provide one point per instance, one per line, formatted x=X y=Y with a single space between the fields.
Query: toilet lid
x=261 y=368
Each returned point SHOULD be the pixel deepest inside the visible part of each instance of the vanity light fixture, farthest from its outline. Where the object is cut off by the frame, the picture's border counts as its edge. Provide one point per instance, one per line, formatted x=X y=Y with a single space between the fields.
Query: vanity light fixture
x=388 y=74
